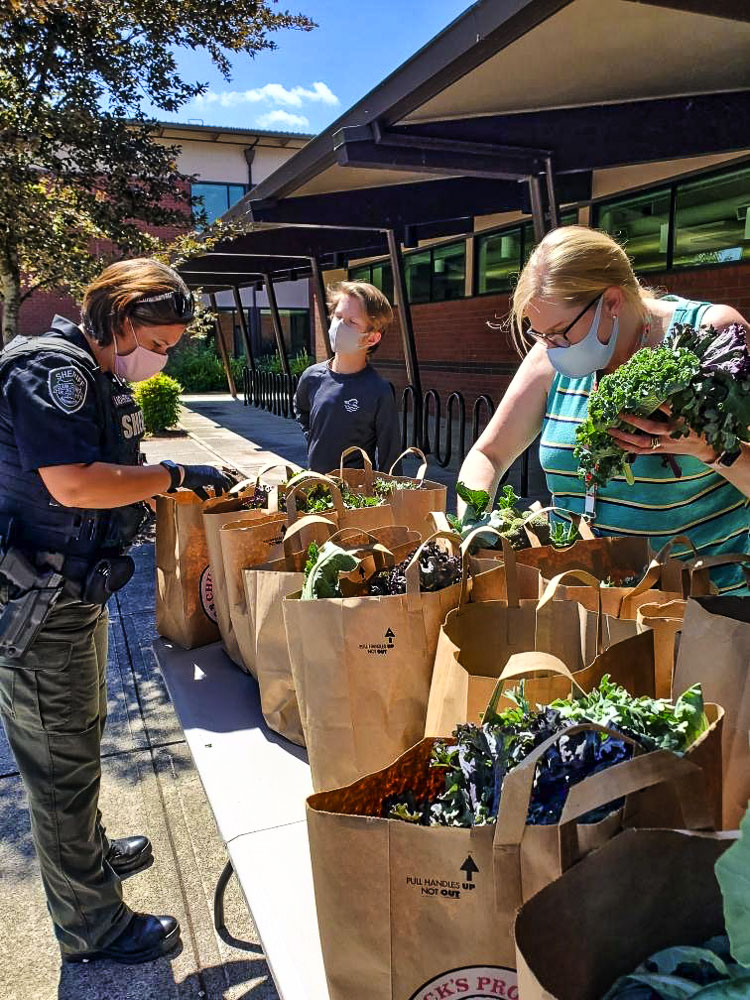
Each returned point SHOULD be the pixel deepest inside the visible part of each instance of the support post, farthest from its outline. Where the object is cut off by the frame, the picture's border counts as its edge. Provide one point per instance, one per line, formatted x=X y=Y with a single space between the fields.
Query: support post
x=277 y=327
x=246 y=343
x=537 y=209
x=554 y=214
x=404 y=315
x=320 y=303
x=222 y=347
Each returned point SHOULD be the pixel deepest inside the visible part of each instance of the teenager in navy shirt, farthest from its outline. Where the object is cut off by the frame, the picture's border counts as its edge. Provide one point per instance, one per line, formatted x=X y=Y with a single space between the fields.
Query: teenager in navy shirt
x=343 y=401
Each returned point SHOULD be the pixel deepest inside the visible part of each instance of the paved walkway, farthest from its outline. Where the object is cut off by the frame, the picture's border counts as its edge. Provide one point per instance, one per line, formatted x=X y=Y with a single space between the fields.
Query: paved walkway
x=149 y=785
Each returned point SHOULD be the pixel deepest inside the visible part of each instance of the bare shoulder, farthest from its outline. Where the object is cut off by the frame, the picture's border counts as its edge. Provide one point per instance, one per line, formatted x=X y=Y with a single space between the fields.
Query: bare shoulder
x=719 y=316
x=535 y=370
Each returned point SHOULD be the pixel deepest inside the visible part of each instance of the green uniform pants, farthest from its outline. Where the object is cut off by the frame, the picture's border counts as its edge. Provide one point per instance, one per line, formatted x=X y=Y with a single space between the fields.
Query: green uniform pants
x=53 y=704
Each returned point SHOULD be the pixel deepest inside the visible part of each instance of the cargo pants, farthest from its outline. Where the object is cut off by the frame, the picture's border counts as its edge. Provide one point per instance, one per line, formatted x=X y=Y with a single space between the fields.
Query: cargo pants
x=53 y=704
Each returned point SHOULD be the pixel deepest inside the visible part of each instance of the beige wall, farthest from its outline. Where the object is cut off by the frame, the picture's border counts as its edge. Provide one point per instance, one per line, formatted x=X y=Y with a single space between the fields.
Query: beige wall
x=607 y=182
x=225 y=161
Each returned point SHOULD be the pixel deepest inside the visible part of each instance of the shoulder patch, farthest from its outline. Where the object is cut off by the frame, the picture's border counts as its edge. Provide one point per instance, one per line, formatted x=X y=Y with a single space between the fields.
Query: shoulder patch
x=68 y=388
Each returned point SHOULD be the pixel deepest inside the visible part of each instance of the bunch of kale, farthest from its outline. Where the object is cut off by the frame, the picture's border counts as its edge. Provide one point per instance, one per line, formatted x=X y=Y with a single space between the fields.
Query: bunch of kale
x=479 y=757
x=506 y=518
x=703 y=375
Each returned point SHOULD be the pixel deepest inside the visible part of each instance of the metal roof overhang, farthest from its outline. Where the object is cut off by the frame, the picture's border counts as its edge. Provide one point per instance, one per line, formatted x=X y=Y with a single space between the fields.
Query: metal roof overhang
x=589 y=84
x=514 y=58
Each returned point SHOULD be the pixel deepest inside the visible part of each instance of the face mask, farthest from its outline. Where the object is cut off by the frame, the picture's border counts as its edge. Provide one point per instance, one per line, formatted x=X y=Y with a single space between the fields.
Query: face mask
x=589 y=354
x=345 y=339
x=140 y=364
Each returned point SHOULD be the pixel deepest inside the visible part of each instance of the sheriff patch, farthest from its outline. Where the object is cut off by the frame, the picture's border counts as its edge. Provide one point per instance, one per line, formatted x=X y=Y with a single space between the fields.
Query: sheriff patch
x=67 y=389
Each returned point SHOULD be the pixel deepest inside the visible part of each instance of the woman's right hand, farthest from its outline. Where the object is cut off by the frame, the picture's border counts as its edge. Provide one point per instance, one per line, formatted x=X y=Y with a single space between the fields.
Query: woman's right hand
x=513 y=427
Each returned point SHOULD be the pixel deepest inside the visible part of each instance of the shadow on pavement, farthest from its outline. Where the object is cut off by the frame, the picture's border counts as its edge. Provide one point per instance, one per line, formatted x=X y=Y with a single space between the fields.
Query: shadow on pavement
x=99 y=980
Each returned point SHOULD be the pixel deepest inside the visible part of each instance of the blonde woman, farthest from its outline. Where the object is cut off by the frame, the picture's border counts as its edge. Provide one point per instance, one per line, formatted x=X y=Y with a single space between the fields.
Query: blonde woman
x=583 y=313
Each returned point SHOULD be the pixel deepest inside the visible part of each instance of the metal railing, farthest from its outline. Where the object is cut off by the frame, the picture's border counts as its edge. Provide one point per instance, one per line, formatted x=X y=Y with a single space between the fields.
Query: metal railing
x=423 y=424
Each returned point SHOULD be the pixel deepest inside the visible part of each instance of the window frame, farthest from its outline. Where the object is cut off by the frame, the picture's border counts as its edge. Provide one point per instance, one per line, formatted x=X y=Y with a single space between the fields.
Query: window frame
x=226 y=185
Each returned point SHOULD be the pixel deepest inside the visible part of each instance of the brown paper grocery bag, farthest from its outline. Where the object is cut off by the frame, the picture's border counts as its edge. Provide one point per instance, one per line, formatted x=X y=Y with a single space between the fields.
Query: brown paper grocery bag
x=185 y=610
x=665 y=621
x=715 y=652
x=414 y=507
x=366 y=518
x=644 y=891
x=227 y=510
x=267 y=585
x=406 y=911
x=477 y=640
x=362 y=669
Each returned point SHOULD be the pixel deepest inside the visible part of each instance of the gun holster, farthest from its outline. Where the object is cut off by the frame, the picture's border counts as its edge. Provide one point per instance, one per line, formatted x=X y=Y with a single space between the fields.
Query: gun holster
x=106 y=576
x=30 y=596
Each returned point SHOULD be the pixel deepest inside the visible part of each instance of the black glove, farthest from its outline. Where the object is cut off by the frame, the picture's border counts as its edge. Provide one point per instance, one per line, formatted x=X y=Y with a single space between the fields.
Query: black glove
x=197 y=478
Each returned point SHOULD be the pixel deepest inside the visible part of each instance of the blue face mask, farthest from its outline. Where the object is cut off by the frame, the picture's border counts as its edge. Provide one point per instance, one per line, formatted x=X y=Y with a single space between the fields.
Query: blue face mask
x=589 y=354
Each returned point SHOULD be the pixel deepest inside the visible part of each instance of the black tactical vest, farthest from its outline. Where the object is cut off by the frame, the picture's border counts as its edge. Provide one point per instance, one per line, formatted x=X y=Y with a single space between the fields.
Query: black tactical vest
x=40 y=524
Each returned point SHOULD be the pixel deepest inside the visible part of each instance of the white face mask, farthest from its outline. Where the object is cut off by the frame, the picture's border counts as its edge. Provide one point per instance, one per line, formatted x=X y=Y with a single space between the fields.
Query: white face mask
x=589 y=354
x=345 y=338
x=140 y=364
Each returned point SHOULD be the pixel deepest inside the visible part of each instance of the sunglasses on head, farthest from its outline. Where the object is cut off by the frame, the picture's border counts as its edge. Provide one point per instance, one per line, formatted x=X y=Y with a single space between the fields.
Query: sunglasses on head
x=183 y=306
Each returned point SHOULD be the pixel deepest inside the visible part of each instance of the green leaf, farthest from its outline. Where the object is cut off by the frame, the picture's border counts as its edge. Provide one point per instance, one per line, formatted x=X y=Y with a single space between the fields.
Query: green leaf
x=732 y=989
x=323 y=579
x=670 y=960
x=478 y=500
x=667 y=987
x=733 y=874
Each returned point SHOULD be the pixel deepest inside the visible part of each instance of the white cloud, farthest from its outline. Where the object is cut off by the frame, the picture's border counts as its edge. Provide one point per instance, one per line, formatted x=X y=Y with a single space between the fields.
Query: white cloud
x=271 y=93
x=281 y=117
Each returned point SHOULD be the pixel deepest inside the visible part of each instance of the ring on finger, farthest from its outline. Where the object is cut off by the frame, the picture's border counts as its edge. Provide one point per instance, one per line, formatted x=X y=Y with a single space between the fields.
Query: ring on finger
x=655 y=443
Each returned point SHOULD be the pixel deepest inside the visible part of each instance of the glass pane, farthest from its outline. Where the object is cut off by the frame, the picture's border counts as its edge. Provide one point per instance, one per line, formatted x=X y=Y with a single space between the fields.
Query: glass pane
x=235 y=192
x=382 y=278
x=499 y=261
x=449 y=272
x=215 y=201
x=417 y=268
x=361 y=273
x=712 y=220
x=641 y=224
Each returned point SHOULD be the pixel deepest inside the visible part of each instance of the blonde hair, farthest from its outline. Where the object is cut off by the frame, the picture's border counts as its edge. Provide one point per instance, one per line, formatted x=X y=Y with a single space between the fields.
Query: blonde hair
x=376 y=306
x=571 y=265
x=117 y=293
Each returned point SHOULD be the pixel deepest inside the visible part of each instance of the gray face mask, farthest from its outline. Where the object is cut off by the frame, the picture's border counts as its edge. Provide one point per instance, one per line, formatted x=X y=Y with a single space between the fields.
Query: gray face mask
x=588 y=355
x=345 y=339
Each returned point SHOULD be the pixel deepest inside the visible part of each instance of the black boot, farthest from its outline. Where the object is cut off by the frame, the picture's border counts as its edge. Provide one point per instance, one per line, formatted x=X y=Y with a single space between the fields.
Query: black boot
x=129 y=855
x=145 y=938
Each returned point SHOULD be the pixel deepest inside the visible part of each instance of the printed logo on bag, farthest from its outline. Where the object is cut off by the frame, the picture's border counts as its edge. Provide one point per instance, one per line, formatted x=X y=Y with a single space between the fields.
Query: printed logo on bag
x=206 y=590
x=351 y=405
x=67 y=389
x=472 y=981
x=380 y=648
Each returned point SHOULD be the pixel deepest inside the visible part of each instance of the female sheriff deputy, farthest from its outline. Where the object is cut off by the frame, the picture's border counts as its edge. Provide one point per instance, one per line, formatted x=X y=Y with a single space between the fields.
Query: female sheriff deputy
x=71 y=500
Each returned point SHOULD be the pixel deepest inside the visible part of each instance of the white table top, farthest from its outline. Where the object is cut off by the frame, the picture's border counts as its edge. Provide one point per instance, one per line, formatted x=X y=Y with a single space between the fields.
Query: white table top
x=256 y=783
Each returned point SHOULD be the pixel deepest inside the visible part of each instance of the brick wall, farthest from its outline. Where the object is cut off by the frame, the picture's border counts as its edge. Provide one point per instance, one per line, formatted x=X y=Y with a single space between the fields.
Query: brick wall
x=458 y=351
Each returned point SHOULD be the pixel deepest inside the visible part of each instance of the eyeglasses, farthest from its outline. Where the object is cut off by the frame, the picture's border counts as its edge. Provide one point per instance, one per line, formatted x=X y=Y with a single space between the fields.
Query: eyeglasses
x=560 y=338
x=183 y=306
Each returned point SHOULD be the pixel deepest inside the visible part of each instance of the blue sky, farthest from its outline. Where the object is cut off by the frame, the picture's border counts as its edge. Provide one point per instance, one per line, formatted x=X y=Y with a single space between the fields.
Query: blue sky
x=314 y=76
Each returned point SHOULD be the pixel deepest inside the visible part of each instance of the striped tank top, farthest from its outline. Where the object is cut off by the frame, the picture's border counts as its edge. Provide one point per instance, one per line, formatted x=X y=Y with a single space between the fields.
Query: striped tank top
x=700 y=504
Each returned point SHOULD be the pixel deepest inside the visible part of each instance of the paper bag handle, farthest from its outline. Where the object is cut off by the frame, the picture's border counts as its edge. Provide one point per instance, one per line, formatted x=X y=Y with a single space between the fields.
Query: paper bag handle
x=296 y=529
x=700 y=581
x=521 y=665
x=665 y=621
x=304 y=479
x=439 y=520
x=352 y=450
x=509 y=561
x=584 y=577
x=291 y=470
x=421 y=471
x=412 y=570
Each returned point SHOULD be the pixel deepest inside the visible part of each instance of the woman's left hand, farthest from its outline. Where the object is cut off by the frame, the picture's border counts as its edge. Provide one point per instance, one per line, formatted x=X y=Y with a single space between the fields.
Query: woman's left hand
x=654 y=438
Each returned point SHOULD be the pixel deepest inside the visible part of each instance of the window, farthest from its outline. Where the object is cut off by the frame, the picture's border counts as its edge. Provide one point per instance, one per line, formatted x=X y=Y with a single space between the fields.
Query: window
x=498 y=260
x=448 y=272
x=360 y=273
x=296 y=326
x=641 y=224
x=217 y=198
x=500 y=255
x=380 y=275
x=712 y=220
x=418 y=274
